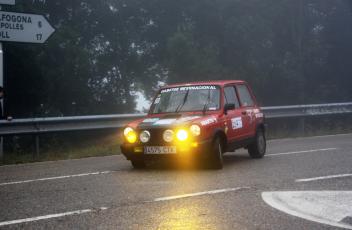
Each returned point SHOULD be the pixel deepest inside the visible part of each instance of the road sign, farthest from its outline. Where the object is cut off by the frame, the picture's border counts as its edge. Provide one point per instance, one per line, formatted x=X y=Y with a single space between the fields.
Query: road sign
x=7 y=2
x=19 y=27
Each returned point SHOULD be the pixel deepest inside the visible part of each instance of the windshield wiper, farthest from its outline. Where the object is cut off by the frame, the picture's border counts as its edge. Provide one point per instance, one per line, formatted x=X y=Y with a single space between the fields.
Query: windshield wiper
x=179 y=107
x=207 y=103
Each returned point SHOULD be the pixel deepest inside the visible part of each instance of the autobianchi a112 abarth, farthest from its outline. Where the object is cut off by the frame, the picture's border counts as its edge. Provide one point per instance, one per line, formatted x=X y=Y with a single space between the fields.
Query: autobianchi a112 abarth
x=201 y=121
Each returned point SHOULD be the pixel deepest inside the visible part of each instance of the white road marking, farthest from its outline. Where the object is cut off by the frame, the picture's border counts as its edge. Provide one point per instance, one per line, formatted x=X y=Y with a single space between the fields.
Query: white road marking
x=58 y=161
x=155 y=182
x=311 y=137
x=77 y=212
x=323 y=177
x=54 y=178
x=199 y=194
x=325 y=207
x=304 y=151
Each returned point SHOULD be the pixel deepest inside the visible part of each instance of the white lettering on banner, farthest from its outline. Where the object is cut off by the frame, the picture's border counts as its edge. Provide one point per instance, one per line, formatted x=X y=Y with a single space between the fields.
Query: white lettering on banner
x=236 y=123
x=184 y=88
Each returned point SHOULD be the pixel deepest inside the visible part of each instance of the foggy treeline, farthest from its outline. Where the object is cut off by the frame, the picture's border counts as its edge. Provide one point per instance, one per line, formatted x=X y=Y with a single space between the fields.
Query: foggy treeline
x=104 y=51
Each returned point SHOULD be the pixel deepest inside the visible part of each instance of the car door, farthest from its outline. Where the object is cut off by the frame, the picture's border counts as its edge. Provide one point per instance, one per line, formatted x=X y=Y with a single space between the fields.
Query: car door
x=247 y=110
x=233 y=117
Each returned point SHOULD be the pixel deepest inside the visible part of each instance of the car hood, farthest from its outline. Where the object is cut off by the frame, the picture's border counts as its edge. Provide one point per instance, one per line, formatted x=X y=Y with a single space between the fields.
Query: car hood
x=176 y=120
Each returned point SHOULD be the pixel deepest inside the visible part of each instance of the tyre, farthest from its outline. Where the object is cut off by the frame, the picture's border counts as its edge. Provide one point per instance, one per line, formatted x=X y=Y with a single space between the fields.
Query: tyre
x=216 y=160
x=258 y=147
x=138 y=164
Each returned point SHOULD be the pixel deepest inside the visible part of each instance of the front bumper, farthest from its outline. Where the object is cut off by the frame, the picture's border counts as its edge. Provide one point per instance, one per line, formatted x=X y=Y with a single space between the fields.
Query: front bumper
x=136 y=151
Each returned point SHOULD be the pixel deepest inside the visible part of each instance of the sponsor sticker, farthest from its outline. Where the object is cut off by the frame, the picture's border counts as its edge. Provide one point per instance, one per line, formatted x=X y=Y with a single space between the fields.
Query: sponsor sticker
x=165 y=122
x=236 y=123
x=250 y=113
x=208 y=121
x=150 y=120
x=259 y=115
x=185 y=119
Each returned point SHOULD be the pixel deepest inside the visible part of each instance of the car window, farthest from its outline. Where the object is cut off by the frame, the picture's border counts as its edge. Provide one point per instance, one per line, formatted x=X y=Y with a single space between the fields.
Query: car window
x=186 y=99
x=245 y=97
x=230 y=96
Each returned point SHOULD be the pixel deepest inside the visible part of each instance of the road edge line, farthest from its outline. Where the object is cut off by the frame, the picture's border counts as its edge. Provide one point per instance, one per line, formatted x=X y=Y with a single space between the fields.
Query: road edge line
x=187 y=195
x=50 y=216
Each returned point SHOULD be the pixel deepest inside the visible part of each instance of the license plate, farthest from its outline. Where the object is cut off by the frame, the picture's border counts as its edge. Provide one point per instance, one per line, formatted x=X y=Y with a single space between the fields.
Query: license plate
x=160 y=149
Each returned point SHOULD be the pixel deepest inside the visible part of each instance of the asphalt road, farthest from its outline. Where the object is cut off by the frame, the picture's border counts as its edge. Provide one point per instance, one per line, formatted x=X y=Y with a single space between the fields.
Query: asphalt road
x=106 y=193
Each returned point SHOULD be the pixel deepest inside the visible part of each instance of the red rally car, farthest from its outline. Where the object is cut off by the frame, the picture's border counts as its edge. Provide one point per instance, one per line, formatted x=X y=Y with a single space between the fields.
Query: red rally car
x=200 y=120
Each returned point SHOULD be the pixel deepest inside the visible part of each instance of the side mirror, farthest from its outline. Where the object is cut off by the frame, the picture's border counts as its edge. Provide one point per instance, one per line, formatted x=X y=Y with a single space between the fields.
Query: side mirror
x=228 y=107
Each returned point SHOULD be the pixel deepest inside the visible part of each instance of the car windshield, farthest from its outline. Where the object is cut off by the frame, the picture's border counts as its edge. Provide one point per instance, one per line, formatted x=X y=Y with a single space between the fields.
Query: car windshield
x=187 y=99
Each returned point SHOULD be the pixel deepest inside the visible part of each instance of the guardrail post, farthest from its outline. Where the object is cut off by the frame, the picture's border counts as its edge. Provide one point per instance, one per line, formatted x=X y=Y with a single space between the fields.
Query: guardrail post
x=302 y=126
x=37 y=146
x=1 y=149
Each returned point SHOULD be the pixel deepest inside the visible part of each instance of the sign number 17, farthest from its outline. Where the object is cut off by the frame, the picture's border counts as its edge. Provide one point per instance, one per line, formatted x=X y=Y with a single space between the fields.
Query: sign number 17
x=39 y=37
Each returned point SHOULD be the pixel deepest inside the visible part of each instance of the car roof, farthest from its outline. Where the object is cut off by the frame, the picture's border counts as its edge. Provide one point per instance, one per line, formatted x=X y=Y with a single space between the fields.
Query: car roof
x=215 y=82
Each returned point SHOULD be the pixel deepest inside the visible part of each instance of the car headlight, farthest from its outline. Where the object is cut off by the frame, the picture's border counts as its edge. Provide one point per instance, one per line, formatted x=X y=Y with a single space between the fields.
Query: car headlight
x=130 y=135
x=168 y=135
x=182 y=135
x=195 y=130
x=144 y=136
x=127 y=130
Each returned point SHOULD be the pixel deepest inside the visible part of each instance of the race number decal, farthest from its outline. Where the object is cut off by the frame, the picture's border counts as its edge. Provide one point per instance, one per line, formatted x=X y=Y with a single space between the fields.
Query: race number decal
x=236 y=123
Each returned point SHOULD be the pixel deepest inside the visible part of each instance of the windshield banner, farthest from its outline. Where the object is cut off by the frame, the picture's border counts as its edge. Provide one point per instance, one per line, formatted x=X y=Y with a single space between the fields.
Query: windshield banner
x=184 y=88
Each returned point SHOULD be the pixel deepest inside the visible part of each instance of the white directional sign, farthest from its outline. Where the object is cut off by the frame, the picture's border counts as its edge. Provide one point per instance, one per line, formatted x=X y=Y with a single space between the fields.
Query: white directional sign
x=7 y=2
x=18 y=27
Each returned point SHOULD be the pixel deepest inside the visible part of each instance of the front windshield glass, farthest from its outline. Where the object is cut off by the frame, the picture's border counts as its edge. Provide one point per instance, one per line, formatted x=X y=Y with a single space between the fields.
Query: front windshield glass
x=187 y=99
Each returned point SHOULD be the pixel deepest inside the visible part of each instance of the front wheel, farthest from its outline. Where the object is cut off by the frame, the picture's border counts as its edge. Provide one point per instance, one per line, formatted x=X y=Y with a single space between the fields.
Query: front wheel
x=216 y=160
x=258 y=148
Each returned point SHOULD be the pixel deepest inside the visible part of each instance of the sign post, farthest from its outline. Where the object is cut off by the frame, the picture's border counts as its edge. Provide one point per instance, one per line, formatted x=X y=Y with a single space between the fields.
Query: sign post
x=20 y=27
x=2 y=85
x=1 y=100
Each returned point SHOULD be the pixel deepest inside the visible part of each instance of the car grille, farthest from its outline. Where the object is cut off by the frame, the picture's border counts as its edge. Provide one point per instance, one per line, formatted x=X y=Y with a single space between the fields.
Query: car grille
x=156 y=137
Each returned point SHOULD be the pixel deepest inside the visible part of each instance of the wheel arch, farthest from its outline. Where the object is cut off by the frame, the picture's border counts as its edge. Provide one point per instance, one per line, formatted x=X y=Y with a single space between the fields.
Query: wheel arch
x=223 y=138
x=261 y=126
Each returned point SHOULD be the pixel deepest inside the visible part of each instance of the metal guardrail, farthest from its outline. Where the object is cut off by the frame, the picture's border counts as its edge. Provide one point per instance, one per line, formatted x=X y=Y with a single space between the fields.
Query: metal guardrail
x=38 y=126
x=62 y=124
x=307 y=110
x=79 y=123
